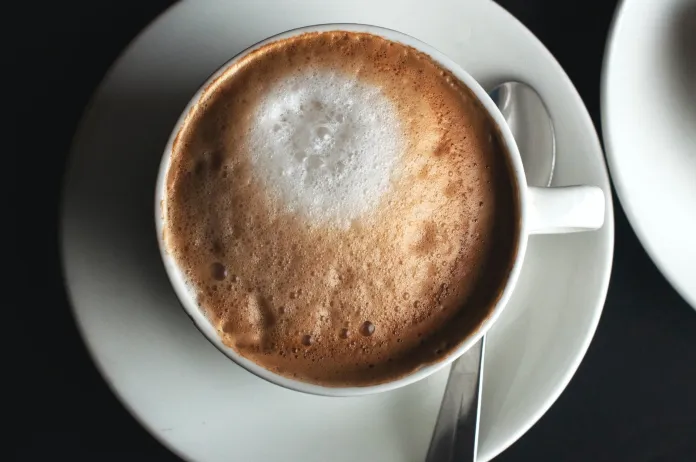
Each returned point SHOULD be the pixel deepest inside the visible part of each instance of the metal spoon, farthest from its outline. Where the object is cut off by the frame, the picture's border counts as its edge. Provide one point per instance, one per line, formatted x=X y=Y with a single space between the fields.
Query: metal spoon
x=455 y=437
x=531 y=125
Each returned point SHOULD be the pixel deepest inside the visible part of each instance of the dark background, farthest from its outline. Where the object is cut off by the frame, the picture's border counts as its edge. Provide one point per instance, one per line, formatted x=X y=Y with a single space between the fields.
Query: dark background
x=633 y=398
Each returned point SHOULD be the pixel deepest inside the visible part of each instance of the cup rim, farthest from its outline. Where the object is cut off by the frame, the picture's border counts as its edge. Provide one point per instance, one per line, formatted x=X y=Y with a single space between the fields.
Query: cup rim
x=187 y=298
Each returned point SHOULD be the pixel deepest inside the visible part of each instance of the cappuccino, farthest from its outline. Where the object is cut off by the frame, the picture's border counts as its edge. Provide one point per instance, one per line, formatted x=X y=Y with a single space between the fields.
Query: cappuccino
x=342 y=208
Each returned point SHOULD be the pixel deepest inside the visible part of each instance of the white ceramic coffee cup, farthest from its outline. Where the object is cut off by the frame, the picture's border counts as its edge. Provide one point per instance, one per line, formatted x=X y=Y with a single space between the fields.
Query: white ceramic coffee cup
x=542 y=211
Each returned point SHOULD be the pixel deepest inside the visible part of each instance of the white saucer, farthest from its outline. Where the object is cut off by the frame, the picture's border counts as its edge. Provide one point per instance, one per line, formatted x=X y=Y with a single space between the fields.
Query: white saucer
x=649 y=120
x=179 y=386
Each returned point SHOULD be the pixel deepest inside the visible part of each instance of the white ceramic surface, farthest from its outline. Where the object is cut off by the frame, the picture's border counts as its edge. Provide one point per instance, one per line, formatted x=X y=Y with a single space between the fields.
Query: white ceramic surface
x=542 y=211
x=179 y=386
x=649 y=120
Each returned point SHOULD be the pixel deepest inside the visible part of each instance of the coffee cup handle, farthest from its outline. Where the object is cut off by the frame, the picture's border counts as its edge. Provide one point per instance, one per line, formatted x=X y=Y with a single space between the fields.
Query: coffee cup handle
x=566 y=209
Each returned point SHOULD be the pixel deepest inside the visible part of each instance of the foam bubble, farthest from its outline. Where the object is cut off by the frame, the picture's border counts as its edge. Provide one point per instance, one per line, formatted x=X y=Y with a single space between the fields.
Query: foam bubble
x=325 y=145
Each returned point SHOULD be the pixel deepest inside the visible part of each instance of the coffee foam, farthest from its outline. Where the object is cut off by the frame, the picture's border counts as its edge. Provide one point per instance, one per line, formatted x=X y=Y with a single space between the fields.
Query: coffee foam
x=325 y=145
x=301 y=272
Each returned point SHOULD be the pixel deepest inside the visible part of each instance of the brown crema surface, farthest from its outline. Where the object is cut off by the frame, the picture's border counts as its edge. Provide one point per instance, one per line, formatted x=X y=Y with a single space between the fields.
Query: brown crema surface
x=398 y=289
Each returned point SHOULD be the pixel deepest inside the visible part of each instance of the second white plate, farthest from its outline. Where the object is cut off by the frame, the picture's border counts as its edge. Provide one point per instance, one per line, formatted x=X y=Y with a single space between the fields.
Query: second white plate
x=649 y=119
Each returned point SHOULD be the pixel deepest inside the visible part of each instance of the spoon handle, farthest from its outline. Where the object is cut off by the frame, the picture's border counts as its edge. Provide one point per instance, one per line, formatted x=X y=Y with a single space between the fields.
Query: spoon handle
x=455 y=437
